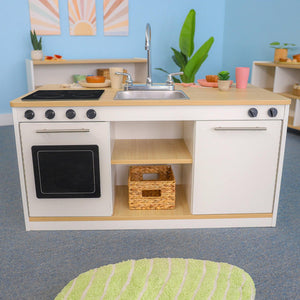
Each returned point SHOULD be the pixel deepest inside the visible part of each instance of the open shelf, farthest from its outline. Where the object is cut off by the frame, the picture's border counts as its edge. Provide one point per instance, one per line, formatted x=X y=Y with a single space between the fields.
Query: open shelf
x=151 y=151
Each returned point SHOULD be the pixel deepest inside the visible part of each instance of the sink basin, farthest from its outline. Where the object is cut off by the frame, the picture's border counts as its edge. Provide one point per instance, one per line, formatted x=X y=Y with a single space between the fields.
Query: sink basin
x=150 y=95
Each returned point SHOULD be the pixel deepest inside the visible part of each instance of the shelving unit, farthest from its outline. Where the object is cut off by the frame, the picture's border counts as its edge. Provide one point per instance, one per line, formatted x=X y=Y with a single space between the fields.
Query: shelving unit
x=60 y=71
x=280 y=78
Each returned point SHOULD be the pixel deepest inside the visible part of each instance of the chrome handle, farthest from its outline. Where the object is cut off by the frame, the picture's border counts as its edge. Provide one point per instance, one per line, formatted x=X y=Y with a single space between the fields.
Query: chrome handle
x=169 y=80
x=129 y=80
x=62 y=130
x=240 y=128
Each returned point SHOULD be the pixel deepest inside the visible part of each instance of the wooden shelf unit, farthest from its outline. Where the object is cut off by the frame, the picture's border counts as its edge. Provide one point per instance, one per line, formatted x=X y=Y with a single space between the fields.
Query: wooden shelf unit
x=279 y=78
x=43 y=72
x=151 y=151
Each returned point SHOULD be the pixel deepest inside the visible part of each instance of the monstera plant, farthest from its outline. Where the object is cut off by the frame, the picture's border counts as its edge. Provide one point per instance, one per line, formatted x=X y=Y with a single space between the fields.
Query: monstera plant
x=188 y=62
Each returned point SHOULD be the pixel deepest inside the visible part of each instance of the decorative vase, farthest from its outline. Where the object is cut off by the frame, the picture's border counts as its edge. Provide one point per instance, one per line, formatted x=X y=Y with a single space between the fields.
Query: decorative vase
x=37 y=55
x=224 y=85
x=280 y=53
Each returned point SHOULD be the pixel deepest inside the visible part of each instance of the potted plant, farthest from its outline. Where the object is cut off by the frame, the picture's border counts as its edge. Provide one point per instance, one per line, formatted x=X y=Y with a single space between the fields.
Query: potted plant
x=36 y=53
x=281 y=50
x=188 y=62
x=224 y=82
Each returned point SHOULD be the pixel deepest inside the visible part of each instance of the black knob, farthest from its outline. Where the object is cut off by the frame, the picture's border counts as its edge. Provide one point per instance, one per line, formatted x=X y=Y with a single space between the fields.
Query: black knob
x=272 y=112
x=70 y=114
x=29 y=114
x=252 y=112
x=91 y=114
x=49 y=114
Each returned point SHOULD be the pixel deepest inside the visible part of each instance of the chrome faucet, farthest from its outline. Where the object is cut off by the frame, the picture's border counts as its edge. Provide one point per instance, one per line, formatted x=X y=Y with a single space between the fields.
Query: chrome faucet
x=168 y=86
x=148 y=49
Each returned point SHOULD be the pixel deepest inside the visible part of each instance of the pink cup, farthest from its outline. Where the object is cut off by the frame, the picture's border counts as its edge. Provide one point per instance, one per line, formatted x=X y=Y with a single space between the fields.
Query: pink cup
x=241 y=77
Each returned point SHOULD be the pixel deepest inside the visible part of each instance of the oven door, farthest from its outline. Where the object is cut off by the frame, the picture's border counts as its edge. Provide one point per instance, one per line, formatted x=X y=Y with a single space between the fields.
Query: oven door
x=67 y=168
x=66 y=171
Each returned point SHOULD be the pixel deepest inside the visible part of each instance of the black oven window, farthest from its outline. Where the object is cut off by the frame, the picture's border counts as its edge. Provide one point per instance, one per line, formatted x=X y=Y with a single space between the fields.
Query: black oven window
x=66 y=171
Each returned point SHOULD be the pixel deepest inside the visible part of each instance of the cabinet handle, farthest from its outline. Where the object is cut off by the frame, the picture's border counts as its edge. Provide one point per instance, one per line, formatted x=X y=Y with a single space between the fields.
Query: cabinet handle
x=240 y=128
x=62 y=130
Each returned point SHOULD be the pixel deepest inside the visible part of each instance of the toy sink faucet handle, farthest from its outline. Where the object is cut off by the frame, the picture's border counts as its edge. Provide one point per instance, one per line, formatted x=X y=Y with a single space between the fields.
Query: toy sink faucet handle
x=170 y=80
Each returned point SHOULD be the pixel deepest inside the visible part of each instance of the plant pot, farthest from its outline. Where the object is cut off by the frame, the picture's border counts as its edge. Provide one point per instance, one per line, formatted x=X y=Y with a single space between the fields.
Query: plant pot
x=280 y=53
x=224 y=85
x=37 y=55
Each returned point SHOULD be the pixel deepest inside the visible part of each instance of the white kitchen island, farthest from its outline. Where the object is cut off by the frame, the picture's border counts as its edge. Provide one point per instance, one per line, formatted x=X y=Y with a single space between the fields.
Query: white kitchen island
x=226 y=150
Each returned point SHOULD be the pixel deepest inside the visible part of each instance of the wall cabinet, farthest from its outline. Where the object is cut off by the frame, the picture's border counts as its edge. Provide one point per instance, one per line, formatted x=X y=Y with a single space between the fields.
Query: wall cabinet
x=279 y=78
x=235 y=166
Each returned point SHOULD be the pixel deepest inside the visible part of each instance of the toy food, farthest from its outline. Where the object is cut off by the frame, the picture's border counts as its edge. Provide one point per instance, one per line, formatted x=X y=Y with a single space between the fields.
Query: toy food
x=95 y=79
x=211 y=78
x=48 y=57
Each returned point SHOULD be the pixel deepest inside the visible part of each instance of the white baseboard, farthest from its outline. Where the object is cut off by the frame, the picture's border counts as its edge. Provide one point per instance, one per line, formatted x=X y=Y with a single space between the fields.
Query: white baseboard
x=6 y=119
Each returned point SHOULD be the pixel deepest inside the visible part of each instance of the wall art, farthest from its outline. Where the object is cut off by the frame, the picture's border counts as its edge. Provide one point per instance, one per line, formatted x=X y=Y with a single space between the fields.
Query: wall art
x=82 y=17
x=44 y=17
x=115 y=17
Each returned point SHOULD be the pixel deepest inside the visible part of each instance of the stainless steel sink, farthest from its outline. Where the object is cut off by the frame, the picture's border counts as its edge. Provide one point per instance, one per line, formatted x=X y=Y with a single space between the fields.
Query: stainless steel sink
x=150 y=95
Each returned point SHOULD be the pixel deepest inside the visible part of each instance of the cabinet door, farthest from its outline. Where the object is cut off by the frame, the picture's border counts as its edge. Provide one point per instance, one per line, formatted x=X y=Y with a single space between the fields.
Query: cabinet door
x=235 y=166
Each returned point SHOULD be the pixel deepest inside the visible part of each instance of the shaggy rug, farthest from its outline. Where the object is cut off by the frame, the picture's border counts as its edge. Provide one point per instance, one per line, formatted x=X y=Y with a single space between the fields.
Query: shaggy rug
x=162 y=278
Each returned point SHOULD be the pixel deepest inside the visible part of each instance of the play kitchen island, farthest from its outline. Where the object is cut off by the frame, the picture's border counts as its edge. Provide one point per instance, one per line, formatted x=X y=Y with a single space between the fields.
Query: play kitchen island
x=226 y=150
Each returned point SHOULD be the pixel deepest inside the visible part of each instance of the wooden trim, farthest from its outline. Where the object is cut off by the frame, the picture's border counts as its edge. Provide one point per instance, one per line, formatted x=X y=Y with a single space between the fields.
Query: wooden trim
x=120 y=218
x=90 y=61
x=123 y=213
x=280 y=65
x=289 y=95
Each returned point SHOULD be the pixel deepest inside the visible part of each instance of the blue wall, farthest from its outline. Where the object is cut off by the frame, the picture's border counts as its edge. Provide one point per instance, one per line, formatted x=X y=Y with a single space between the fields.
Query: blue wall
x=242 y=32
x=251 y=25
x=165 y=17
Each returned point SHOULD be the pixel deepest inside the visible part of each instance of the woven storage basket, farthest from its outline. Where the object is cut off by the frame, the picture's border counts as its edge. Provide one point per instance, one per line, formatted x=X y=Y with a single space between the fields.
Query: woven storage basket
x=151 y=194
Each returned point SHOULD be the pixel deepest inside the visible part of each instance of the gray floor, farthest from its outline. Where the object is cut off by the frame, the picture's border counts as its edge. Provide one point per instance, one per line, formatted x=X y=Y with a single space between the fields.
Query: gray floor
x=37 y=265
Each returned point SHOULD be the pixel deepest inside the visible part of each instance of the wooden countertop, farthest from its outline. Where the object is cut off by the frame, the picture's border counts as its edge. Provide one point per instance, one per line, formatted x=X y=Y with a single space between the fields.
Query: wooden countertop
x=198 y=96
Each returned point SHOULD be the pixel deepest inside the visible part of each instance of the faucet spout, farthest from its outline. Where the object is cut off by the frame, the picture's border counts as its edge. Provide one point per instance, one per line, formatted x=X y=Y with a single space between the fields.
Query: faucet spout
x=148 y=49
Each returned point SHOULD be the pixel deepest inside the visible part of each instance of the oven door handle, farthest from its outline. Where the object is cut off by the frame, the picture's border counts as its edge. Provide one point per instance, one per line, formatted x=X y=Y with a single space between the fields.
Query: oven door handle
x=62 y=130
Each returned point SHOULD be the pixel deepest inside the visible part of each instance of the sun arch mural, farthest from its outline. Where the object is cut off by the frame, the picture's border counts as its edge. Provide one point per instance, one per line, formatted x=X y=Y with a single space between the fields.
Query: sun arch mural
x=82 y=17
x=44 y=17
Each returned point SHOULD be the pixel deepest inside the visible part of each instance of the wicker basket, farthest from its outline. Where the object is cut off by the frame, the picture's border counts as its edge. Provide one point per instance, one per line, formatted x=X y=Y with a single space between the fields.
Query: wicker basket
x=151 y=194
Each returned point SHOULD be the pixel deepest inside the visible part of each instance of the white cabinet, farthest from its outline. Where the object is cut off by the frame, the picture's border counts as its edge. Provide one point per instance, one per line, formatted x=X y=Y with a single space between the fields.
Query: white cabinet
x=235 y=166
x=279 y=78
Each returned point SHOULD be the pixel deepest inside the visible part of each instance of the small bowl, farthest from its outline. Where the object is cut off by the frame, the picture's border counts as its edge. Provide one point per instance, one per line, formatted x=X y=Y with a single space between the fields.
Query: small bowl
x=297 y=56
x=95 y=79
x=211 y=78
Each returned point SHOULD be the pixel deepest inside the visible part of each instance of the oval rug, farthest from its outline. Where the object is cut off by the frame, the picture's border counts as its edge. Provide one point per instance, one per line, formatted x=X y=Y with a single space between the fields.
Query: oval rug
x=161 y=278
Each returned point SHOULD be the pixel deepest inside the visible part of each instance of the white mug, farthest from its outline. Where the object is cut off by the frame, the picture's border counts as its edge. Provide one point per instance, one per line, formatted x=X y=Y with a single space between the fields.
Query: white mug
x=116 y=80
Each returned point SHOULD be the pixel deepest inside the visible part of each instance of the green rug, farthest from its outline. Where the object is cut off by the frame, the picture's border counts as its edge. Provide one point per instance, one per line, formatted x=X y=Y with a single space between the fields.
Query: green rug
x=162 y=278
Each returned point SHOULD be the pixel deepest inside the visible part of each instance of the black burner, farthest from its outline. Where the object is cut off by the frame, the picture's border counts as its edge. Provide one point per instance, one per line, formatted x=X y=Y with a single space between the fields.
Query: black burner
x=64 y=95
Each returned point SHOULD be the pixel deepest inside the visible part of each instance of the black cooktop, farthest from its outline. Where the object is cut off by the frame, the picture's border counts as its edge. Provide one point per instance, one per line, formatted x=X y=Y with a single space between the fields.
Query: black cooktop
x=56 y=95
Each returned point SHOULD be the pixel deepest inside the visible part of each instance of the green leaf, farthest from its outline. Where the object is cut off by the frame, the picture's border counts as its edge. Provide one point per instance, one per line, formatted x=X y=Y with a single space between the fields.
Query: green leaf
x=176 y=79
x=197 y=60
x=274 y=44
x=160 y=69
x=179 y=59
x=186 y=38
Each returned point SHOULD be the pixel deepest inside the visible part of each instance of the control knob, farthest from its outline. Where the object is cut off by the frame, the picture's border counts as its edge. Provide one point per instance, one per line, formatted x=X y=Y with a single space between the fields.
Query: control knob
x=29 y=114
x=49 y=114
x=272 y=112
x=252 y=112
x=91 y=113
x=70 y=114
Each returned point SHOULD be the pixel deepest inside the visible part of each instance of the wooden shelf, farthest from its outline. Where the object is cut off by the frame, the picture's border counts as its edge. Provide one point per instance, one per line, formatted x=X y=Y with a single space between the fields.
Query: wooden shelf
x=289 y=95
x=151 y=151
x=291 y=122
x=281 y=65
x=122 y=211
x=89 y=61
